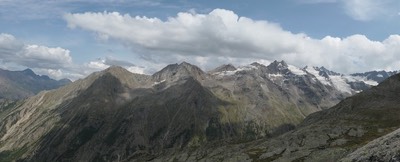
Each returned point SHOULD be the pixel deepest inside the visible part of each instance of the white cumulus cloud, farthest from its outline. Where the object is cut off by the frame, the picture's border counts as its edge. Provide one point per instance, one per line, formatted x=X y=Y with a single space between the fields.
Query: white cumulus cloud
x=104 y=63
x=219 y=32
x=34 y=56
x=223 y=35
x=55 y=62
x=50 y=61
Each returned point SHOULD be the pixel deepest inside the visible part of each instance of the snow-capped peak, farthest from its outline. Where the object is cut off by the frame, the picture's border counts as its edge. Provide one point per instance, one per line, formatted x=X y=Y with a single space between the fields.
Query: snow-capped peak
x=234 y=71
x=281 y=73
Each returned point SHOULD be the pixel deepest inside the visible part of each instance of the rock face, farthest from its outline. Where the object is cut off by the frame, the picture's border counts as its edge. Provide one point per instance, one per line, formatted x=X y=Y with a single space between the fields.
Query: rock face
x=183 y=113
x=386 y=148
x=21 y=84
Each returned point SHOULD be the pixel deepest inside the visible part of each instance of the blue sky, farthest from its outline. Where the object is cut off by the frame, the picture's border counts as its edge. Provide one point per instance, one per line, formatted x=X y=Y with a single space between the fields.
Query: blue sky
x=73 y=38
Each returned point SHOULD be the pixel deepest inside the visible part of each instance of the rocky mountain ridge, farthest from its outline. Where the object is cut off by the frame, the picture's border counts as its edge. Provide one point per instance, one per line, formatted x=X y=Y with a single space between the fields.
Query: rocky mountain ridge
x=114 y=115
x=352 y=83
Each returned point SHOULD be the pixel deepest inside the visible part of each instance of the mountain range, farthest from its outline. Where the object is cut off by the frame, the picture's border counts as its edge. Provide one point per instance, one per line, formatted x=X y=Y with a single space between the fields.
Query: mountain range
x=364 y=127
x=22 y=84
x=182 y=113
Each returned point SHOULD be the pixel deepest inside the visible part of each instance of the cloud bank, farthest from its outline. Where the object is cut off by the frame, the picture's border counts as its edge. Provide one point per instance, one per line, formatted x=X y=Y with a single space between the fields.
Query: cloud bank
x=223 y=35
x=35 y=56
x=103 y=63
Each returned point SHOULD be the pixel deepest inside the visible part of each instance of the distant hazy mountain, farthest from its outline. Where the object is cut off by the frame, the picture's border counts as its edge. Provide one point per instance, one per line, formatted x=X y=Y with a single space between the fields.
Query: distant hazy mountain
x=22 y=84
x=114 y=115
x=377 y=76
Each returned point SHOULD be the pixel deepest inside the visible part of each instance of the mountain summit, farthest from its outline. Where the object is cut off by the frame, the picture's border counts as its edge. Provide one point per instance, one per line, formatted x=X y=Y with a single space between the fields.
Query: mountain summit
x=223 y=68
x=29 y=72
x=174 y=72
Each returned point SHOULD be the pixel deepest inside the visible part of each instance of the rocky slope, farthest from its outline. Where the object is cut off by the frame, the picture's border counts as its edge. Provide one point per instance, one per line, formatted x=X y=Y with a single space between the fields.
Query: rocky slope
x=178 y=113
x=21 y=84
x=386 y=148
x=354 y=130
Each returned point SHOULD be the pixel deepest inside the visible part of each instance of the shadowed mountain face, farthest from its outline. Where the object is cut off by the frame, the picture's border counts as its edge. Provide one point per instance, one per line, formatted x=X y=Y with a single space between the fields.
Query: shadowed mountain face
x=114 y=115
x=21 y=84
x=109 y=115
x=109 y=128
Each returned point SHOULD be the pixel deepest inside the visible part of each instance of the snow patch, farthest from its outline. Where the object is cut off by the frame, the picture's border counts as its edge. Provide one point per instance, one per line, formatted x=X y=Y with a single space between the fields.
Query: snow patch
x=340 y=83
x=275 y=75
x=223 y=73
x=321 y=79
x=380 y=75
x=241 y=68
x=371 y=82
x=296 y=70
x=278 y=79
x=246 y=68
x=155 y=83
x=361 y=79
